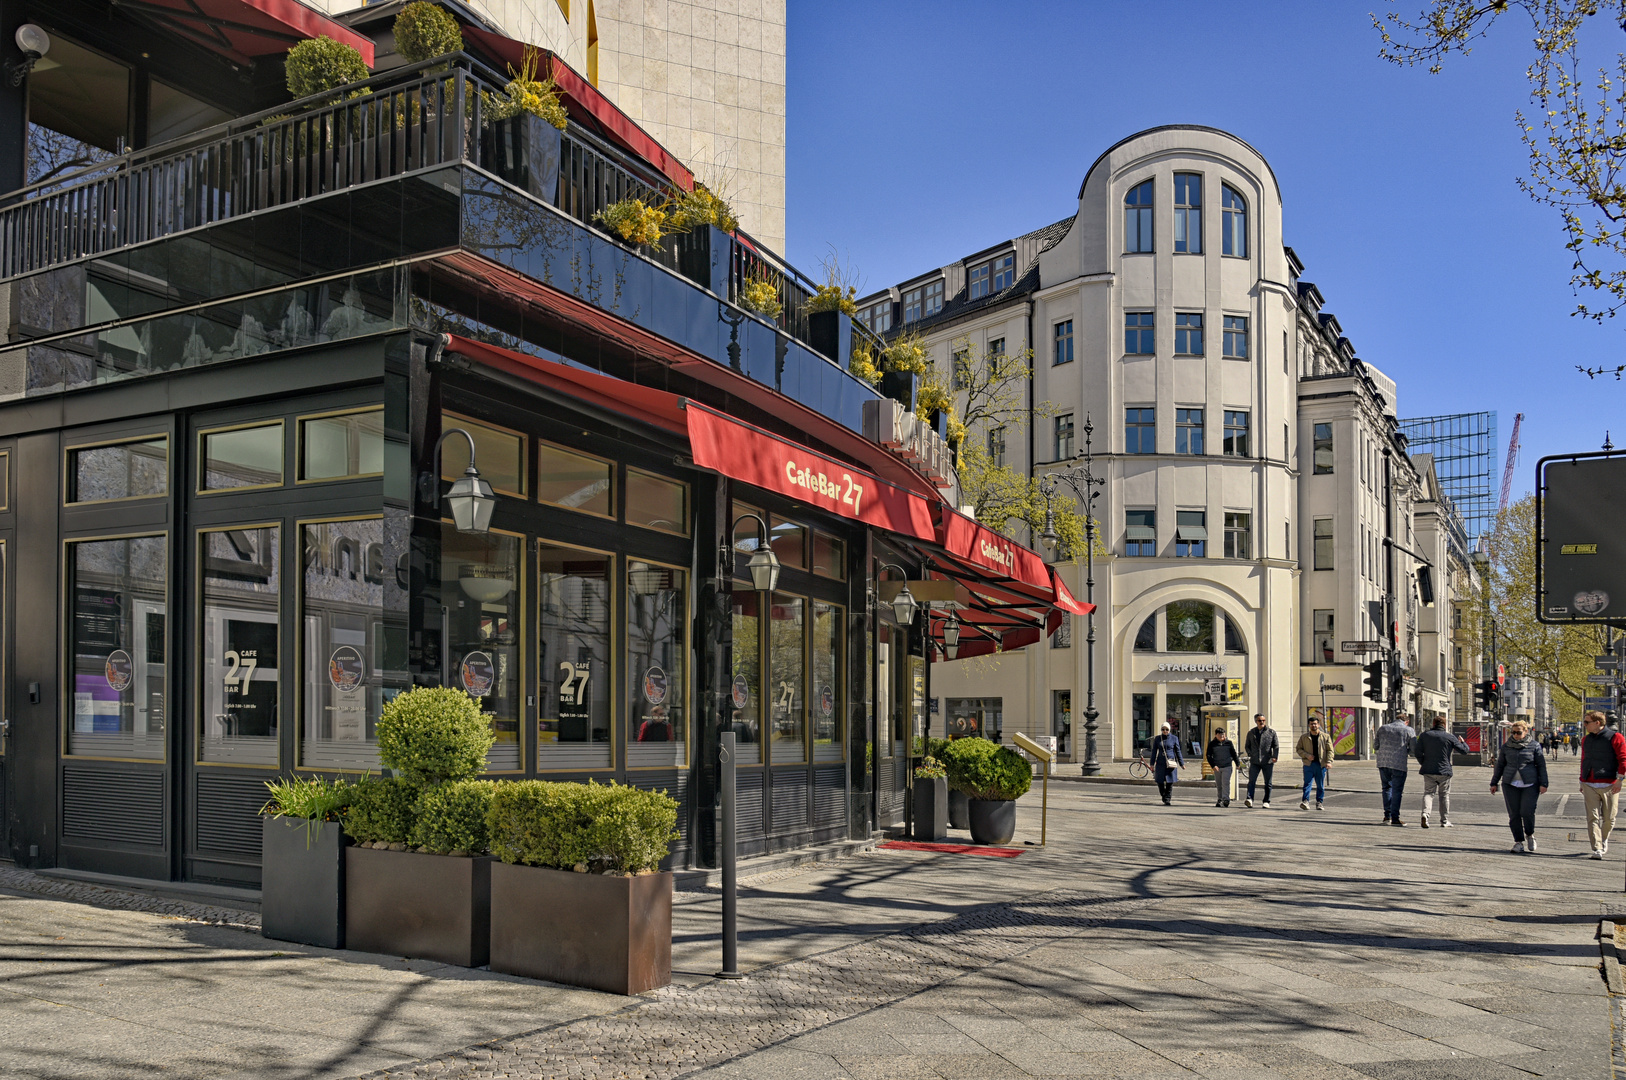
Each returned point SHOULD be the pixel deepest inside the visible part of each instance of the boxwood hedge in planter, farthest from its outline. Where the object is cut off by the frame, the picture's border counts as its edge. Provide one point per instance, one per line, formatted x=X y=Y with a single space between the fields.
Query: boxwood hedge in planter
x=578 y=897
x=302 y=862
x=993 y=777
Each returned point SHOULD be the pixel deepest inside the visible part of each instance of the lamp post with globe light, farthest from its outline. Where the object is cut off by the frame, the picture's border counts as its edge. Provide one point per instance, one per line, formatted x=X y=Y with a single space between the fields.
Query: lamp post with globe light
x=1082 y=479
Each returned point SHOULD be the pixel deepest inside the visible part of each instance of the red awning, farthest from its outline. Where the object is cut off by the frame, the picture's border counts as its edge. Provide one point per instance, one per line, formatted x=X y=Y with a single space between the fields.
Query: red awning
x=583 y=100
x=244 y=29
x=1000 y=556
x=1065 y=599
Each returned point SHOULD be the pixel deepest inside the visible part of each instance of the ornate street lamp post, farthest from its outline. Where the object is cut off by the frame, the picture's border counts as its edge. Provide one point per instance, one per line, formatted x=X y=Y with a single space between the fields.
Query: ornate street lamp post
x=1082 y=479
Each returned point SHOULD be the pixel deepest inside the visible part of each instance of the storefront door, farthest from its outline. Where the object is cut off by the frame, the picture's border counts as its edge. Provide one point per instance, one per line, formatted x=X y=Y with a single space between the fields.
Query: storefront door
x=1185 y=715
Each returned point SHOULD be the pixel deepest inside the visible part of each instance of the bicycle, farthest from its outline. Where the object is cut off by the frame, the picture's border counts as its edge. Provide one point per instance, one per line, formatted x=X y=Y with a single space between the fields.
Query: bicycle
x=1139 y=769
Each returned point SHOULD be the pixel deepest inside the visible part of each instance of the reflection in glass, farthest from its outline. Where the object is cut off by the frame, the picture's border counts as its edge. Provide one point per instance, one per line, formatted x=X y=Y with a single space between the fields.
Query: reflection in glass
x=131 y=470
x=499 y=454
x=573 y=657
x=657 y=503
x=827 y=697
x=238 y=668
x=480 y=598
x=883 y=691
x=117 y=641
x=789 y=542
x=657 y=612
x=745 y=692
x=829 y=556
x=341 y=604
x=787 y=684
x=573 y=481
x=334 y=447
x=246 y=457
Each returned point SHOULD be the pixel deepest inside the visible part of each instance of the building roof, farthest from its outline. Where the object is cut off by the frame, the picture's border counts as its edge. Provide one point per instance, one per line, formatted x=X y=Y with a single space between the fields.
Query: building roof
x=1179 y=127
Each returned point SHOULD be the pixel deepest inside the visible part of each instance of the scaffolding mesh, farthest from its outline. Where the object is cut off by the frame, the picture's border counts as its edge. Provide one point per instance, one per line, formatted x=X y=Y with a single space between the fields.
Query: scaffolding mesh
x=1464 y=449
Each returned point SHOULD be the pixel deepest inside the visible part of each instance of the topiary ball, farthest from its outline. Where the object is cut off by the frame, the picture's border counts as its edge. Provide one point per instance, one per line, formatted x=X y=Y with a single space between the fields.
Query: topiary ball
x=434 y=735
x=424 y=31
x=319 y=64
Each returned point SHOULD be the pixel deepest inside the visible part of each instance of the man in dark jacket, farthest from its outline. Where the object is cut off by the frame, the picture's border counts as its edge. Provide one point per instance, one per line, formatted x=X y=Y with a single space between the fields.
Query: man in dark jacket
x=1434 y=750
x=1262 y=748
x=1603 y=763
x=1223 y=756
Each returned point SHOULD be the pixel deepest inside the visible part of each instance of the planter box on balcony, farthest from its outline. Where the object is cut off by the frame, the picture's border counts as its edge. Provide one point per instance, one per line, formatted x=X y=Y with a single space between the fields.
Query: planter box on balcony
x=437 y=907
x=900 y=387
x=593 y=930
x=524 y=150
x=302 y=882
x=831 y=334
x=704 y=256
x=931 y=809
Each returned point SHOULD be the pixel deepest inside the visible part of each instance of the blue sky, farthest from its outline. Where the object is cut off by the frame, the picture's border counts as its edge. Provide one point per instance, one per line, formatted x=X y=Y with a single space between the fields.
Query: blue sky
x=920 y=132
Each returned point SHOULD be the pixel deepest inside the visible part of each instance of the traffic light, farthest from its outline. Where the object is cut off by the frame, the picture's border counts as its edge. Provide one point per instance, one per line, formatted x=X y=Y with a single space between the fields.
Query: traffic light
x=1376 y=683
x=1487 y=695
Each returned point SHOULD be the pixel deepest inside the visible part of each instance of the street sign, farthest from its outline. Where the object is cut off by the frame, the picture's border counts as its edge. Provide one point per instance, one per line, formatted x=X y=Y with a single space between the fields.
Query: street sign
x=1602 y=678
x=1606 y=661
x=1501 y=674
x=1599 y=702
x=1361 y=646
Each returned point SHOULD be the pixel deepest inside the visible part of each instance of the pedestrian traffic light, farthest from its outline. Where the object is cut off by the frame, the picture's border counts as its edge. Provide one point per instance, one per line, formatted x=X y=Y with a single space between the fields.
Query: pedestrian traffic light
x=1487 y=695
x=1376 y=683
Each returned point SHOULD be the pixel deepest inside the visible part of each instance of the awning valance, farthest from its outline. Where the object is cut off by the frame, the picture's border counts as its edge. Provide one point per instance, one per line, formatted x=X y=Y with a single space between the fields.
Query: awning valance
x=245 y=29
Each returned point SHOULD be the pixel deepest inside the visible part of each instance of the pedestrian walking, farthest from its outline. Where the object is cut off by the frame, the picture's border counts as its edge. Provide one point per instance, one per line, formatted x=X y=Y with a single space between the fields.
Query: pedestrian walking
x=1223 y=756
x=1393 y=750
x=1434 y=749
x=1262 y=748
x=1603 y=763
x=1574 y=743
x=1314 y=749
x=1522 y=764
x=1167 y=761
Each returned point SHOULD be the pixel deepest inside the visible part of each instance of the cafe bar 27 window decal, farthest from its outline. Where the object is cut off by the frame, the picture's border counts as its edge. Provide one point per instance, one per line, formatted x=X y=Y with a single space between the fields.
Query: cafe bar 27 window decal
x=573 y=658
x=341 y=611
x=239 y=634
x=117 y=646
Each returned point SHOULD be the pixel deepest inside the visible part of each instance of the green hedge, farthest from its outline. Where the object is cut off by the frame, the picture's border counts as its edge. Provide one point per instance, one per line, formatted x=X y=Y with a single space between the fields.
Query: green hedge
x=984 y=770
x=451 y=818
x=605 y=828
x=381 y=809
x=434 y=735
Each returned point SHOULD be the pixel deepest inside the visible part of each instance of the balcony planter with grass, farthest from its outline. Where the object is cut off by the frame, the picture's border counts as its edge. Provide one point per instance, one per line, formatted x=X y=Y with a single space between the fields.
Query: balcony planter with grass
x=522 y=143
x=993 y=777
x=830 y=323
x=931 y=818
x=578 y=897
x=302 y=862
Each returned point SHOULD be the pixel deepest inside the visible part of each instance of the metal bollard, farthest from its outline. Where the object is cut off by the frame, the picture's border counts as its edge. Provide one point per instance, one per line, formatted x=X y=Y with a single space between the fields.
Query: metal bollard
x=731 y=935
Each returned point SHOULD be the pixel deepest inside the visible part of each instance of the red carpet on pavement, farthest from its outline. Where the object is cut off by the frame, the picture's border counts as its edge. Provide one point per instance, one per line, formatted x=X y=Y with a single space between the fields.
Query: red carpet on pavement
x=952 y=849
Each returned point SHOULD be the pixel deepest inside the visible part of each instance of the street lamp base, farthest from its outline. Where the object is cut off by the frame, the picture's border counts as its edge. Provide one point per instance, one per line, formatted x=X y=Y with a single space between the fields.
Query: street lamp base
x=1091 y=768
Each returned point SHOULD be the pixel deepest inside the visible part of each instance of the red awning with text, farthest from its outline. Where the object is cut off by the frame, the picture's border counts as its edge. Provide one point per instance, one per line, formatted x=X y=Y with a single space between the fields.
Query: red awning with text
x=1001 y=556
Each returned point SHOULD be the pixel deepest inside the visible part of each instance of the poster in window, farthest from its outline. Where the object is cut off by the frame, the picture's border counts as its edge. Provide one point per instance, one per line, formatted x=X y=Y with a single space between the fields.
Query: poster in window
x=477 y=673
x=655 y=685
x=346 y=669
x=119 y=670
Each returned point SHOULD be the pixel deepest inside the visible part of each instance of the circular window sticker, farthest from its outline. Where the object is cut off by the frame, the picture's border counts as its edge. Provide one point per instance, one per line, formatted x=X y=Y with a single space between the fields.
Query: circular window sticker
x=478 y=673
x=741 y=692
x=827 y=701
x=1188 y=627
x=346 y=668
x=655 y=685
x=119 y=669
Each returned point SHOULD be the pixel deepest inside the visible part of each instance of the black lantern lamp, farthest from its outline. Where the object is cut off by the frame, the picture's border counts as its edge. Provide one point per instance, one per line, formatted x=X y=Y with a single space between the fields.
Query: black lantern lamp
x=951 y=636
x=763 y=565
x=470 y=499
x=904 y=605
x=33 y=43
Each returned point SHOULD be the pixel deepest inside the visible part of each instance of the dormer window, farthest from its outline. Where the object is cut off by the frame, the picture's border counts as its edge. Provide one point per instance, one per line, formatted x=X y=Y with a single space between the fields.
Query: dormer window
x=911 y=305
x=993 y=276
x=1138 y=218
x=934 y=300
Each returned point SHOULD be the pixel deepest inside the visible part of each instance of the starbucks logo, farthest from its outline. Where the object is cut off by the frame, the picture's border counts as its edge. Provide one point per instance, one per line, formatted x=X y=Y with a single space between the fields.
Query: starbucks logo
x=1188 y=627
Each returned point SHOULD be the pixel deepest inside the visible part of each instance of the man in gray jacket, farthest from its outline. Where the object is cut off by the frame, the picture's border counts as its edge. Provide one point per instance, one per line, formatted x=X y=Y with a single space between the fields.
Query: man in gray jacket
x=1434 y=750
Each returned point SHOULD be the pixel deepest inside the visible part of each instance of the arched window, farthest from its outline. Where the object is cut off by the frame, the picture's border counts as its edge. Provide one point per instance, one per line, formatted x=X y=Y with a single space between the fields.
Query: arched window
x=1235 y=223
x=1233 y=639
x=1191 y=626
x=1146 y=637
x=1138 y=218
x=1188 y=213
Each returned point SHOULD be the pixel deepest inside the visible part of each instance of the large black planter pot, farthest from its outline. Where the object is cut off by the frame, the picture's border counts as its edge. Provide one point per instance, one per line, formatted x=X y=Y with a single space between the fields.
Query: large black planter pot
x=604 y=933
x=302 y=881
x=830 y=333
x=931 y=809
x=435 y=907
x=524 y=150
x=900 y=386
x=993 y=821
x=959 y=812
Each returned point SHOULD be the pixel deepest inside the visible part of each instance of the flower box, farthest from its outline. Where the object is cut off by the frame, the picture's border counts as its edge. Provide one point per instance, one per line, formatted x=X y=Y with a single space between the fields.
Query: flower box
x=434 y=907
x=604 y=932
x=302 y=881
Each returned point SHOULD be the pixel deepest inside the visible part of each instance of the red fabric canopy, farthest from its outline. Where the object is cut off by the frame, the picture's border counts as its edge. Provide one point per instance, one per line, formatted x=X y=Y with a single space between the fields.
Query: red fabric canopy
x=244 y=29
x=1000 y=556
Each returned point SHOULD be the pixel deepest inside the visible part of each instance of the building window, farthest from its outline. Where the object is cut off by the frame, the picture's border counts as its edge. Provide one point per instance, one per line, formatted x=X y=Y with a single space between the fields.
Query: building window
x=979 y=281
x=1004 y=272
x=1188 y=431
x=1456 y=620
x=342 y=609
x=116 y=642
x=961 y=363
x=991 y=277
x=1236 y=434
x=1064 y=342
x=1234 y=645
x=1063 y=637
x=877 y=317
x=1323 y=543
x=1235 y=341
x=934 y=300
x=1064 y=436
x=911 y=305
x=1323 y=637
x=996 y=347
x=1138 y=339
x=996 y=447
x=1235 y=222
x=1140 y=533
x=1190 y=626
x=238 y=664
x=1188 y=213
x=1322 y=449
x=654 y=502
x=1146 y=636
x=1140 y=431
x=574 y=481
x=137 y=469
x=1456 y=656
x=1188 y=334
x=1190 y=534
x=238 y=458
x=1238 y=536
x=1138 y=218
x=341 y=446
x=503 y=449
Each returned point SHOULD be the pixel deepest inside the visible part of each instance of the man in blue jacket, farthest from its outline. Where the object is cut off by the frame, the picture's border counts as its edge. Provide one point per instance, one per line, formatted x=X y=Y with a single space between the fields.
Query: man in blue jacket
x=1434 y=750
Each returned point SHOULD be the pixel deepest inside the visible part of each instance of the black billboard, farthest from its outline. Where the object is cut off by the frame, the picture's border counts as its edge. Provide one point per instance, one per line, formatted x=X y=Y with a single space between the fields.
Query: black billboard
x=1581 y=538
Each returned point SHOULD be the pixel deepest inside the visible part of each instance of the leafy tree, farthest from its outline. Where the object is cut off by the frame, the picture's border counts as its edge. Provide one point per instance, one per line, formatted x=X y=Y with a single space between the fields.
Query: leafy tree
x=1575 y=132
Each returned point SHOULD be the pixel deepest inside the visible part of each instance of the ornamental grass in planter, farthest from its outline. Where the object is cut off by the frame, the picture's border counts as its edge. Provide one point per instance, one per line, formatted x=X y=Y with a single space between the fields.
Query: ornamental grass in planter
x=302 y=861
x=931 y=800
x=579 y=897
x=993 y=777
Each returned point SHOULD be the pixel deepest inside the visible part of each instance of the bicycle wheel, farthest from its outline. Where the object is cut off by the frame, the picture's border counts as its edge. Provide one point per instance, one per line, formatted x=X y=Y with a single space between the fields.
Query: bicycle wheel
x=1138 y=769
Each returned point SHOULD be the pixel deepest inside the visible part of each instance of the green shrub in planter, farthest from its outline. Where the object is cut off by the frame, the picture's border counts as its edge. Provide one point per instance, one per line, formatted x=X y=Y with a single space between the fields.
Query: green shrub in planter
x=985 y=771
x=597 y=827
x=434 y=735
x=381 y=810
x=424 y=31
x=450 y=819
x=318 y=64
x=308 y=797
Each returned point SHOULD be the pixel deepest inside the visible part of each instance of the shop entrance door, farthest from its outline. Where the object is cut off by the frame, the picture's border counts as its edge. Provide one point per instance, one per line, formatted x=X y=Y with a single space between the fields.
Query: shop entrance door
x=1186 y=717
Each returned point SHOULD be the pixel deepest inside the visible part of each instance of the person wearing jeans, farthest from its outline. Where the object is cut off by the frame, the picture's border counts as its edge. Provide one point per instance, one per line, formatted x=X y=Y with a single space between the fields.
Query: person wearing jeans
x=1315 y=751
x=1262 y=748
x=1603 y=763
x=1522 y=764
x=1392 y=750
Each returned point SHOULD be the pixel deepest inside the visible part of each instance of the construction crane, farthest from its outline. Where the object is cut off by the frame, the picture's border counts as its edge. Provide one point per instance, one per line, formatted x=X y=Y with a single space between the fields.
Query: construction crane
x=1512 y=459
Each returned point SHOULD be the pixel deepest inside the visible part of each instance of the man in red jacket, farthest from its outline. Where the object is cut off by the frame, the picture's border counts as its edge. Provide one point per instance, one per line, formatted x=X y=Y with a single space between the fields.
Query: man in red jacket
x=1603 y=764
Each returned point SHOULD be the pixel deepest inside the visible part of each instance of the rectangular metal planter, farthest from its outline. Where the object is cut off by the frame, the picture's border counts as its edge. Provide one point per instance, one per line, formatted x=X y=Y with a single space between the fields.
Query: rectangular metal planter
x=302 y=882
x=433 y=907
x=931 y=809
x=604 y=933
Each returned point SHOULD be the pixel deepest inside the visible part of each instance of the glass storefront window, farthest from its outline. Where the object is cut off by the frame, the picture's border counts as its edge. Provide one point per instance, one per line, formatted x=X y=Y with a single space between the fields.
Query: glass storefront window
x=883 y=692
x=573 y=657
x=238 y=670
x=655 y=502
x=787 y=682
x=745 y=692
x=573 y=481
x=1190 y=626
x=341 y=612
x=747 y=533
x=138 y=469
x=789 y=542
x=829 y=557
x=341 y=446
x=657 y=614
x=917 y=703
x=117 y=640
x=246 y=457
x=827 y=696
x=499 y=454
x=480 y=600
x=1140 y=715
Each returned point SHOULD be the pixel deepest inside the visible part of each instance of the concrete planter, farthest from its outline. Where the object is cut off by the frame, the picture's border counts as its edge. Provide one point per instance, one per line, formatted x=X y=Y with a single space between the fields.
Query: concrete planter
x=993 y=821
x=931 y=809
x=302 y=881
x=959 y=810
x=436 y=907
x=605 y=933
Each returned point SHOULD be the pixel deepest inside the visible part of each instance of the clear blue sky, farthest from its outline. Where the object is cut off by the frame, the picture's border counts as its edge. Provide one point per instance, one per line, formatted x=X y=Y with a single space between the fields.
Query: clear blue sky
x=920 y=132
